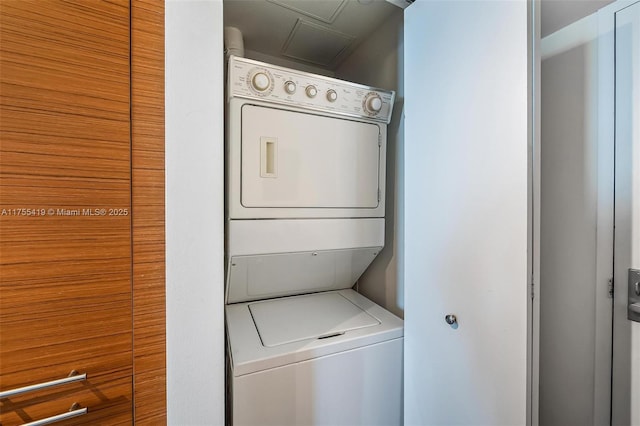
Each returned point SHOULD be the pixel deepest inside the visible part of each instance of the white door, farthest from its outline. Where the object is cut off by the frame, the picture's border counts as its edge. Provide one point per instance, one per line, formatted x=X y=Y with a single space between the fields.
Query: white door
x=466 y=212
x=626 y=353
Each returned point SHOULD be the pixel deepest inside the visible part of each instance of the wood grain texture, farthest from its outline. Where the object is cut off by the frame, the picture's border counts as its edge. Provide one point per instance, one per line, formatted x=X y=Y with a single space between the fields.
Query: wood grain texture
x=147 y=132
x=65 y=281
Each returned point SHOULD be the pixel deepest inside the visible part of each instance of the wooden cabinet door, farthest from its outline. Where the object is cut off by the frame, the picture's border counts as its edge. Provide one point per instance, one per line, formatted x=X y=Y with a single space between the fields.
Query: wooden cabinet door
x=65 y=204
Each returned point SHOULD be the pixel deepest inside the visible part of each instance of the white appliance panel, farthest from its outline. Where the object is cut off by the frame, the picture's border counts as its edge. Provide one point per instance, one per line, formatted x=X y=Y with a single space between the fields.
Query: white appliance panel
x=299 y=160
x=272 y=275
x=357 y=387
x=269 y=149
x=246 y=237
x=316 y=316
x=249 y=355
x=325 y=95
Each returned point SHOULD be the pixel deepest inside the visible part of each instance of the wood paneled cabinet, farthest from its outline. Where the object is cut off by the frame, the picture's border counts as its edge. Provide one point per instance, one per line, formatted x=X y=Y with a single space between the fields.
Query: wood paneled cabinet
x=66 y=220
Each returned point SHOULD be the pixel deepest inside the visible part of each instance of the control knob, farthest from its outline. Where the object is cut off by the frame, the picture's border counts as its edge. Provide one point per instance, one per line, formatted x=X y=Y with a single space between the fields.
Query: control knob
x=260 y=81
x=373 y=103
x=332 y=96
x=311 y=91
x=290 y=87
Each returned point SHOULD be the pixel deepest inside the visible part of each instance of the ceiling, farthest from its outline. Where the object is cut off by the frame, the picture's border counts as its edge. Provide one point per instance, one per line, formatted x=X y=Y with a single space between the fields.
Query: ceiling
x=319 y=33
x=323 y=33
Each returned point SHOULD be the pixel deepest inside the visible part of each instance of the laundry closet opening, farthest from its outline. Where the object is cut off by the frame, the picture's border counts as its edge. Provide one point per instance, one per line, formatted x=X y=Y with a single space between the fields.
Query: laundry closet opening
x=313 y=305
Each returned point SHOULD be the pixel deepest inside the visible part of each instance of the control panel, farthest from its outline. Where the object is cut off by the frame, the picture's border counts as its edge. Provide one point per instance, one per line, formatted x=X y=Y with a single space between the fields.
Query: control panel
x=258 y=80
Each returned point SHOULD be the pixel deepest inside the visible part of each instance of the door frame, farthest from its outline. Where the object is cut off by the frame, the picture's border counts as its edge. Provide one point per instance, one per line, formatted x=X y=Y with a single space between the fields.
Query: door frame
x=605 y=206
x=606 y=172
x=533 y=304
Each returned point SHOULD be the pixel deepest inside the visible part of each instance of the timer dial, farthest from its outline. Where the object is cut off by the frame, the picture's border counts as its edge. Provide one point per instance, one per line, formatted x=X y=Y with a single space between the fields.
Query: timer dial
x=260 y=81
x=372 y=103
x=332 y=96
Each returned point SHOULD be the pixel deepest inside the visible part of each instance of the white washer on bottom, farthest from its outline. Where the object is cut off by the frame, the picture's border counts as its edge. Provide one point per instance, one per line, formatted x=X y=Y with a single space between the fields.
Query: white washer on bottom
x=330 y=358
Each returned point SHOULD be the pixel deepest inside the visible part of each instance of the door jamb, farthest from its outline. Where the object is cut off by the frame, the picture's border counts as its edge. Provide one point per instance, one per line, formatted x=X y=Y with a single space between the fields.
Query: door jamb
x=606 y=140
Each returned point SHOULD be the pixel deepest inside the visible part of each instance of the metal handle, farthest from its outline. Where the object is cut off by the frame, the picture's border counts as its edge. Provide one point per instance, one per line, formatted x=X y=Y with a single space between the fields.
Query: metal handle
x=451 y=319
x=73 y=377
x=73 y=412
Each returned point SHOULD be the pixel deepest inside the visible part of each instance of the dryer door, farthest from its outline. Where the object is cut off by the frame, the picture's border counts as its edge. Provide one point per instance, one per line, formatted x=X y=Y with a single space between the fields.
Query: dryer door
x=299 y=160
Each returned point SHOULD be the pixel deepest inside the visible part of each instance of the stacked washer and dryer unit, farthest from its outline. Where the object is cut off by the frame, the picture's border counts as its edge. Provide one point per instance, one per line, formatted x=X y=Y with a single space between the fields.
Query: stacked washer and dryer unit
x=305 y=218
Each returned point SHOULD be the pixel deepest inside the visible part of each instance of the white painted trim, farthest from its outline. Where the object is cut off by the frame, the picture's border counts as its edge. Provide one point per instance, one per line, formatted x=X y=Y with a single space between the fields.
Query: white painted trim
x=533 y=327
x=606 y=135
x=611 y=9
x=604 y=232
x=194 y=212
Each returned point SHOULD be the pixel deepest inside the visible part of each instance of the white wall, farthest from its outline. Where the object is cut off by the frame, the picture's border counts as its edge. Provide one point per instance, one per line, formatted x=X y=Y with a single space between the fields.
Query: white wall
x=379 y=62
x=283 y=62
x=194 y=212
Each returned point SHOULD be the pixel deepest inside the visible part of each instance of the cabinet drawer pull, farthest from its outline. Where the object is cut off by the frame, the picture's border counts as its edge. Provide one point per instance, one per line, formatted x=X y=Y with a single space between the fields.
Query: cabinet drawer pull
x=73 y=377
x=73 y=412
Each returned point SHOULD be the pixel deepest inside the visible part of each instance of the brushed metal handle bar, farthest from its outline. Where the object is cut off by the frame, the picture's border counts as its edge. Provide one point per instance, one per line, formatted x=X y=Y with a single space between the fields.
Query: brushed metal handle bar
x=73 y=377
x=73 y=412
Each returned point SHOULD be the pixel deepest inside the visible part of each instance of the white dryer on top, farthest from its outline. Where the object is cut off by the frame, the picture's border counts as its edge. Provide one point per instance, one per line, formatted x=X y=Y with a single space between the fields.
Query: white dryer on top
x=292 y=155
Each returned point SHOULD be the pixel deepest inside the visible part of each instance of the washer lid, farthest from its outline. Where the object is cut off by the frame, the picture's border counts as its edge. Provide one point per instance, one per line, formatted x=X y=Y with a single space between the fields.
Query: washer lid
x=312 y=316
